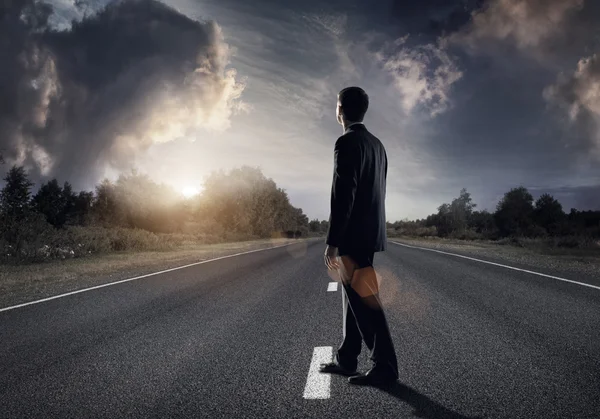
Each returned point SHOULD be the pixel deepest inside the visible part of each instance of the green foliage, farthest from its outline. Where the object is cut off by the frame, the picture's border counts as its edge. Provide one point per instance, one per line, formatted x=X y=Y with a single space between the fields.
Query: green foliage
x=50 y=202
x=514 y=213
x=416 y=228
x=135 y=213
x=516 y=221
x=482 y=222
x=317 y=227
x=20 y=239
x=455 y=217
x=245 y=201
x=15 y=196
x=466 y=235
x=81 y=213
x=548 y=214
x=141 y=203
x=56 y=203
x=69 y=199
x=105 y=207
x=19 y=224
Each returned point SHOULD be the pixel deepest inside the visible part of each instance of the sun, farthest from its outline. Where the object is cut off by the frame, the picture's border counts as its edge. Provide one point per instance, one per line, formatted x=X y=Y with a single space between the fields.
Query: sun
x=190 y=191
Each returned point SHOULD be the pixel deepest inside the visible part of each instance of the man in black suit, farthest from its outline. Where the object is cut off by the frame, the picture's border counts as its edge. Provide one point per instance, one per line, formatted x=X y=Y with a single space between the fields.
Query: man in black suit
x=357 y=229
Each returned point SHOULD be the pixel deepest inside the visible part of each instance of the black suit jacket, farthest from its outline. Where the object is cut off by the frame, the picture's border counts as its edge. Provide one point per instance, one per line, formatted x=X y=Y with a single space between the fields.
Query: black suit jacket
x=357 y=220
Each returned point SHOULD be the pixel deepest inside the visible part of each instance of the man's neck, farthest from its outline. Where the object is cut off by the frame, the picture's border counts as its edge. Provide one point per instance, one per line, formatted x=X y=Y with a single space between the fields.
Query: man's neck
x=348 y=124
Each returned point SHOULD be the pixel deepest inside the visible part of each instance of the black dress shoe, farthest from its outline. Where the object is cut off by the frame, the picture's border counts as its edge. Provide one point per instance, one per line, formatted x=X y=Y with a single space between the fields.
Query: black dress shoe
x=372 y=378
x=335 y=368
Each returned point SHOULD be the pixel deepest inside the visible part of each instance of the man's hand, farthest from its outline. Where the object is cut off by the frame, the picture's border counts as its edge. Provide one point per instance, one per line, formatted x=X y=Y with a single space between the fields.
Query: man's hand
x=331 y=260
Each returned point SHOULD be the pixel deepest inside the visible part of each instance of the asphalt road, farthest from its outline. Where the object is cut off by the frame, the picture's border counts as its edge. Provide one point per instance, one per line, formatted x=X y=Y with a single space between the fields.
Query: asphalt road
x=235 y=338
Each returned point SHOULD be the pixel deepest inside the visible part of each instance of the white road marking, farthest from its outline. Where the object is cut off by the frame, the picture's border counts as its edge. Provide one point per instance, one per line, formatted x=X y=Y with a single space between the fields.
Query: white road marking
x=333 y=286
x=501 y=265
x=318 y=384
x=139 y=277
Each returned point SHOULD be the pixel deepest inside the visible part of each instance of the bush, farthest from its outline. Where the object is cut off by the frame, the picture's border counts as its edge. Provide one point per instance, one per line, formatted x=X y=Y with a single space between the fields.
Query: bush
x=466 y=235
x=536 y=231
x=22 y=240
x=426 y=231
x=574 y=242
x=512 y=241
x=40 y=242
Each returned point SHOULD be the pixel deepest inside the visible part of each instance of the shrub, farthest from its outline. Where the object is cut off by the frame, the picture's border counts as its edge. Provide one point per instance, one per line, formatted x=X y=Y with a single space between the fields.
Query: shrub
x=536 y=231
x=466 y=235
x=574 y=242
x=38 y=241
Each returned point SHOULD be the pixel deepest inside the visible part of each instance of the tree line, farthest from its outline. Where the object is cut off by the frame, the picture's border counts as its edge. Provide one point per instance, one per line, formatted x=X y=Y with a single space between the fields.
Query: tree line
x=239 y=204
x=517 y=214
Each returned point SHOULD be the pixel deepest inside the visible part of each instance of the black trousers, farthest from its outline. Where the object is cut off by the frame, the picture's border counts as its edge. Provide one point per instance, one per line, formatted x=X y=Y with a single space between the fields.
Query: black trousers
x=364 y=320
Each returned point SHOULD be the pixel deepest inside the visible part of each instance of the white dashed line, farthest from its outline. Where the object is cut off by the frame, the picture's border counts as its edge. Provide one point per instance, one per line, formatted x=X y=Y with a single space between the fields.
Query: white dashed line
x=501 y=265
x=318 y=384
x=332 y=287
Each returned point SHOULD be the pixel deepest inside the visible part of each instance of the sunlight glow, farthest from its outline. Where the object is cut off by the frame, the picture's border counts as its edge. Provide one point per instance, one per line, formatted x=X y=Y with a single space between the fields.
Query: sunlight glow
x=190 y=191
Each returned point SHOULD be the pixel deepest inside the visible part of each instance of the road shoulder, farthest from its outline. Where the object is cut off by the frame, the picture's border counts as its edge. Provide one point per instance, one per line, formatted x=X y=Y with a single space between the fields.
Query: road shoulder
x=23 y=283
x=574 y=267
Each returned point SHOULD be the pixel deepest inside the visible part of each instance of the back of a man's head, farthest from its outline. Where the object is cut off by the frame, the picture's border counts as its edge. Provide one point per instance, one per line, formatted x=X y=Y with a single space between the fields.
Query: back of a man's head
x=354 y=102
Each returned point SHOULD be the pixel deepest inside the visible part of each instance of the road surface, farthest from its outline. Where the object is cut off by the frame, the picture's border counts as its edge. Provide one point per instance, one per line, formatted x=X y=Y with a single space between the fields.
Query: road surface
x=240 y=336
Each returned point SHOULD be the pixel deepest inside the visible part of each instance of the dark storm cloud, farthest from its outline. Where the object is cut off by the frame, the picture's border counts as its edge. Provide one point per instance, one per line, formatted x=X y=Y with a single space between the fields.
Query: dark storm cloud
x=582 y=198
x=526 y=22
x=547 y=30
x=434 y=17
x=137 y=72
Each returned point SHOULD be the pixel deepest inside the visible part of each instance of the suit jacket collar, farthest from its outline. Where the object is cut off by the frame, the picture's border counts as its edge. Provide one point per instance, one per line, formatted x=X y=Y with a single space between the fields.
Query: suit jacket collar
x=354 y=126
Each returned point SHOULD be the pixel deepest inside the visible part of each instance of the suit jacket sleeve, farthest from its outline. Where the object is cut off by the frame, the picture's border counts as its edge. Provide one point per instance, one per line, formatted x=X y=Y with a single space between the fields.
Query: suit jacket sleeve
x=343 y=189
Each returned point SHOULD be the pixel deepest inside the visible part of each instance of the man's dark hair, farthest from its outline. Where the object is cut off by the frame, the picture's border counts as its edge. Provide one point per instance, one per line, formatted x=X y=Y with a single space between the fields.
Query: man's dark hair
x=355 y=103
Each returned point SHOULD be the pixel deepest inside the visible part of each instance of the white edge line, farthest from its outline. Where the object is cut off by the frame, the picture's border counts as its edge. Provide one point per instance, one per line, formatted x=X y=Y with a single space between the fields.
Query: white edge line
x=140 y=277
x=318 y=384
x=499 y=264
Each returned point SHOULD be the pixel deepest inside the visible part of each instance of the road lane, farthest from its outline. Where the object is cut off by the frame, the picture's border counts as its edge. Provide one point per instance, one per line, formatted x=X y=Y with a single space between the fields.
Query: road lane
x=215 y=340
x=486 y=340
x=235 y=338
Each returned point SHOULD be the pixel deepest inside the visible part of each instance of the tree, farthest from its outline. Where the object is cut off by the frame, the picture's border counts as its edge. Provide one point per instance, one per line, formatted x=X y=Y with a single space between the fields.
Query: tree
x=514 y=213
x=68 y=197
x=144 y=204
x=49 y=201
x=19 y=224
x=453 y=217
x=584 y=222
x=548 y=213
x=443 y=220
x=15 y=196
x=461 y=210
x=82 y=208
x=301 y=222
x=105 y=207
x=314 y=226
x=244 y=201
x=482 y=222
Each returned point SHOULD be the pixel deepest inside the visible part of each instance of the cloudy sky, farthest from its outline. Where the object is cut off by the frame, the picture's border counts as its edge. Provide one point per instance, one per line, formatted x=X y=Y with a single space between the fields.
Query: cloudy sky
x=481 y=94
